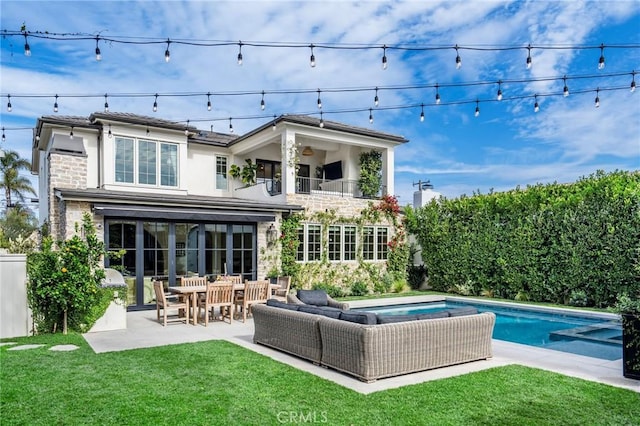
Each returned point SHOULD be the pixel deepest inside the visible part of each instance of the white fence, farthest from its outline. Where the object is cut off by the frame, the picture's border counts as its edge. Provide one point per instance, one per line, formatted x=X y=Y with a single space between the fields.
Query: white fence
x=15 y=315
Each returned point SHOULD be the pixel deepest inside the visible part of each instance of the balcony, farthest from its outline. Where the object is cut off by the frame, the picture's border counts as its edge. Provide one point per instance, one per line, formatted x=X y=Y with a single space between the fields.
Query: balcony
x=306 y=185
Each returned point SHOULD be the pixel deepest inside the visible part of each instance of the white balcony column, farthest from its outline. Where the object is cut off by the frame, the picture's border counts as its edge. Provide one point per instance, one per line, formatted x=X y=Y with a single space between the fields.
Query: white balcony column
x=288 y=162
x=388 y=170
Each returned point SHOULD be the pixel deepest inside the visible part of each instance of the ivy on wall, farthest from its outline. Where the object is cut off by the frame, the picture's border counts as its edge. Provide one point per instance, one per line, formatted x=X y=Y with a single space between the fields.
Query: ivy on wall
x=342 y=278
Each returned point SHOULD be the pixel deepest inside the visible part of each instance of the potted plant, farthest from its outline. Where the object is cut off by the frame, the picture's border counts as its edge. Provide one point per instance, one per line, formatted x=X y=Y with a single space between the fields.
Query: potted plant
x=273 y=274
x=247 y=174
x=629 y=309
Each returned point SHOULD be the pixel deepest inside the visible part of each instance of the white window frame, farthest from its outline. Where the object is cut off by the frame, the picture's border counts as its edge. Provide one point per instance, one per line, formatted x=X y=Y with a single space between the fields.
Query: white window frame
x=226 y=172
x=136 y=165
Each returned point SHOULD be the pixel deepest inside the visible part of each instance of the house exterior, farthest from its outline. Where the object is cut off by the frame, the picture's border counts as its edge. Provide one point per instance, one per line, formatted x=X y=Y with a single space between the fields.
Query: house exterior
x=164 y=194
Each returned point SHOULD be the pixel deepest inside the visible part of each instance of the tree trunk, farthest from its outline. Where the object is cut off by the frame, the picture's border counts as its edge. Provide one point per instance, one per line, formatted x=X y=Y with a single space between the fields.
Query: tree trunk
x=64 y=322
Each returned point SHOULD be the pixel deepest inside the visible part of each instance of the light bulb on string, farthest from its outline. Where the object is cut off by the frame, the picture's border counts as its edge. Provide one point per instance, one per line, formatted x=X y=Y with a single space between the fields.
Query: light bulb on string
x=208 y=101
x=230 y=126
x=186 y=129
x=155 y=104
x=167 y=54
x=106 y=103
x=109 y=134
x=321 y=120
x=148 y=131
x=477 y=113
x=262 y=104
x=376 y=100
x=422 y=112
x=98 y=54
x=536 y=106
x=499 y=90
x=529 y=61
x=319 y=100
x=597 y=100
x=384 y=57
x=71 y=133
x=312 y=58
x=565 y=90
x=55 y=104
x=370 y=116
x=458 y=59
x=9 y=107
x=633 y=81
x=273 y=126
x=437 y=95
x=27 y=48
x=601 y=60
x=4 y=138
x=240 y=53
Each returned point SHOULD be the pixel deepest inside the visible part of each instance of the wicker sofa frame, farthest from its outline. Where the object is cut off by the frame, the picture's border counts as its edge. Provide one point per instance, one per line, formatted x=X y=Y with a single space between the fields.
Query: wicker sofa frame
x=371 y=352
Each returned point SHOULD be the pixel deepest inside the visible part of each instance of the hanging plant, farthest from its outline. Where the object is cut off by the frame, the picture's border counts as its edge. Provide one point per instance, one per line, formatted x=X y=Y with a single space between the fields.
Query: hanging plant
x=246 y=174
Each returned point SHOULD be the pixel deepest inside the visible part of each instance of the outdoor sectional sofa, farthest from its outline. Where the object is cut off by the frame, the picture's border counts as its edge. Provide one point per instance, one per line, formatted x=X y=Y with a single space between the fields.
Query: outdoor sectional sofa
x=363 y=345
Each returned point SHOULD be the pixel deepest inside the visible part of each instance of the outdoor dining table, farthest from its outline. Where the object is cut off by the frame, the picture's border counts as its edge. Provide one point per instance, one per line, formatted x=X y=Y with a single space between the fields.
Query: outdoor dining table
x=193 y=291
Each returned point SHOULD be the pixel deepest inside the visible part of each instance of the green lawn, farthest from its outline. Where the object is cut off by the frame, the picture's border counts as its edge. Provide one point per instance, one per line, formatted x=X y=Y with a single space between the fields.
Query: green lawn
x=219 y=383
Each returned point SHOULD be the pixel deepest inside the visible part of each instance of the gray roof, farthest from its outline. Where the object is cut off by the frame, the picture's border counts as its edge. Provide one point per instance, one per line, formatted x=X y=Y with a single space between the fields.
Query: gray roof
x=143 y=120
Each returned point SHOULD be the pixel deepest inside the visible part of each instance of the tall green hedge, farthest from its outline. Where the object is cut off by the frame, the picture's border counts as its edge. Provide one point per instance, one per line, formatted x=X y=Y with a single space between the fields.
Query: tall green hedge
x=572 y=244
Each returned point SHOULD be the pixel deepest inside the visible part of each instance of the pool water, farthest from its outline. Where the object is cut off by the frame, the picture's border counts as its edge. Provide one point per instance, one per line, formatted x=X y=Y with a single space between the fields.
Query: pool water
x=593 y=337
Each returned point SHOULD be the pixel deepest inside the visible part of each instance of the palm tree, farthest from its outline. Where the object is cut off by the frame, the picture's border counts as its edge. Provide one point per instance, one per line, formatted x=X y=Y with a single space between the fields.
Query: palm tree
x=10 y=180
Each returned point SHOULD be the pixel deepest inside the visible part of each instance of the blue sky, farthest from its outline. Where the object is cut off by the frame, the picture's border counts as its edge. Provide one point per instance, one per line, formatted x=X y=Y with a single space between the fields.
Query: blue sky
x=507 y=145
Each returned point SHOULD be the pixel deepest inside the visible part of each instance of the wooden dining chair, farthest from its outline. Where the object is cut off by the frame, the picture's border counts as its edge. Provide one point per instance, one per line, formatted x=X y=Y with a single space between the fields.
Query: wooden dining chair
x=281 y=292
x=162 y=304
x=219 y=295
x=254 y=292
x=193 y=281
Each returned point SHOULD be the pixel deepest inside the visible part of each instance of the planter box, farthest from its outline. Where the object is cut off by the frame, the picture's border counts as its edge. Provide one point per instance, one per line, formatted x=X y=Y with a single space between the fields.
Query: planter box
x=114 y=318
x=631 y=346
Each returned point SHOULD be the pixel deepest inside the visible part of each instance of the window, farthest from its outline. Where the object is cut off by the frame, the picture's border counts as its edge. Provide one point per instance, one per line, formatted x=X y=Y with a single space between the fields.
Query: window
x=124 y=160
x=383 y=240
x=368 y=245
x=301 y=245
x=375 y=241
x=350 y=243
x=221 y=173
x=150 y=163
x=314 y=245
x=334 y=243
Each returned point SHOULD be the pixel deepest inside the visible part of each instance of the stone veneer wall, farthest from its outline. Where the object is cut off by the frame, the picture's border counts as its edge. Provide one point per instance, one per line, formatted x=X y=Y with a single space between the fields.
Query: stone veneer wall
x=65 y=171
x=344 y=206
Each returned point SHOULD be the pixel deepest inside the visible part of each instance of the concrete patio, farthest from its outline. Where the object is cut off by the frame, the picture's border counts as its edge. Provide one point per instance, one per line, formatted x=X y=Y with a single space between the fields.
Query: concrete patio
x=143 y=330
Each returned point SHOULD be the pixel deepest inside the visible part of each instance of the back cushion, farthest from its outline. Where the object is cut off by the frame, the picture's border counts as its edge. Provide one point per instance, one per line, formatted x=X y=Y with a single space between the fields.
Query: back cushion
x=432 y=315
x=280 y=304
x=319 y=310
x=359 y=317
x=313 y=297
x=468 y=310
x=388 y=319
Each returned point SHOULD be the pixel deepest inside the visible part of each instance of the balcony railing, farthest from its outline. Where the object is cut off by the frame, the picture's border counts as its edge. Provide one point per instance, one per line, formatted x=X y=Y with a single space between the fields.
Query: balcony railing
x=305 y=185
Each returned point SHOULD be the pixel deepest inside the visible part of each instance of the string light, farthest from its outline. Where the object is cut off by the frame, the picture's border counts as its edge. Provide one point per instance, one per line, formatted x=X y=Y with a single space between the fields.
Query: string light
x=4 y=138
x=312 y=58
x=155 y=104
x=240 y=53
x=376 y=101
x=319 y=100
x=27 y=49
x=109 y=134
x=186 y=129
x=597 y=100
x=71 y=133
x=633 y=81
x=384 y=57
x=601 y=60
x=477 y=113
x=422 y=113
x=9 y=108
x=98 y=54
x=437 y=95
x=565 y=90
x=167 y=54
x=321 y=120
x=148 y=131
x=230 y=126
x=370 y=116
x=106 y=103
x=536 y=106
x=273 y=125
x=529 y=62
x=208 y=101
x=458 y=59
x=55 y=104
x=499 y=90
x=262 y=105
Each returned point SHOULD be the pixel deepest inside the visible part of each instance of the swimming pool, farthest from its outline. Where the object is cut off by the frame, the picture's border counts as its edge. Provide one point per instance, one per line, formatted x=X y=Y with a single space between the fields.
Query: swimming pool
x=593 y=336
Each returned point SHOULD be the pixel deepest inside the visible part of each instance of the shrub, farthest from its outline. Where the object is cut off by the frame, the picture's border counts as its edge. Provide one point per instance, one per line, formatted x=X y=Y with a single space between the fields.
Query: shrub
x=359 y=288
x=416 y=276
x=332 y=290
